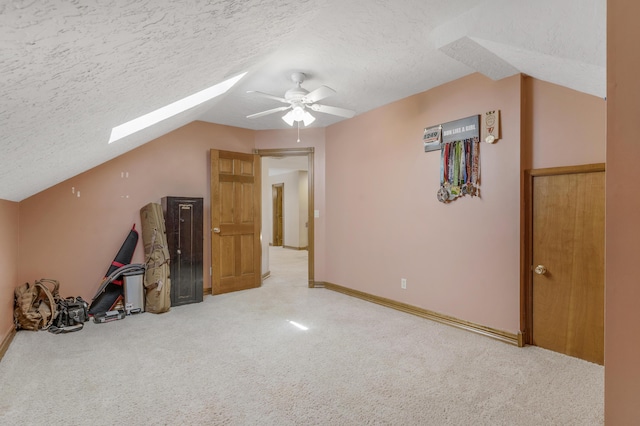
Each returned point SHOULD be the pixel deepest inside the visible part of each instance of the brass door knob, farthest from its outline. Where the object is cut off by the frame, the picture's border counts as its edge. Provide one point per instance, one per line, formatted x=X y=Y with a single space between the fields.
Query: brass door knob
x=540 y=270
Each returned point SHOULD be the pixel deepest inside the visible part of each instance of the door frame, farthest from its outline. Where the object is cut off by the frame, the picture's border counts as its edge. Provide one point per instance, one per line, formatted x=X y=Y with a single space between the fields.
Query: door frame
x=526 y=240
x=299 y=152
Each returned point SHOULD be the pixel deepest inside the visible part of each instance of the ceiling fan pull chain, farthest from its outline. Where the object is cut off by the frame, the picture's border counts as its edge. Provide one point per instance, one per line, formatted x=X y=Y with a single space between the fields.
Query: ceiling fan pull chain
x=298 y=132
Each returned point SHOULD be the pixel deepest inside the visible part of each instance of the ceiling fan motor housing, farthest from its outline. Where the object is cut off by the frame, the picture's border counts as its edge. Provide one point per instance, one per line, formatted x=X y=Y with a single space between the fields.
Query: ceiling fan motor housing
x=296 y=94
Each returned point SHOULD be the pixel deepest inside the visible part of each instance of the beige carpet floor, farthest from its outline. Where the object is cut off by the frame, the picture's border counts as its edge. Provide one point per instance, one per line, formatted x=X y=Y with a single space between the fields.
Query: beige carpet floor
x=237 y=359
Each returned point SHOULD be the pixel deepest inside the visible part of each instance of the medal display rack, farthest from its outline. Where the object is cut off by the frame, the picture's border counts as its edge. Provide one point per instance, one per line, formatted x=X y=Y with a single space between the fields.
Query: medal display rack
x=459 y=143
x=459 y=169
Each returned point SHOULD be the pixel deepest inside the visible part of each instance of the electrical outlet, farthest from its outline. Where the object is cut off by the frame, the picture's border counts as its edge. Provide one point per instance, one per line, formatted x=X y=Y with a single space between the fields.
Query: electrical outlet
x=403 y=283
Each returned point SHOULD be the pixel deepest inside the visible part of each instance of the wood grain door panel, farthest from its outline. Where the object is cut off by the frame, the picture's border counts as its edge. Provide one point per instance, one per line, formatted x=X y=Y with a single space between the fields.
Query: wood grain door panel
x=568 y=239
x=235 y=219
x=278 y=225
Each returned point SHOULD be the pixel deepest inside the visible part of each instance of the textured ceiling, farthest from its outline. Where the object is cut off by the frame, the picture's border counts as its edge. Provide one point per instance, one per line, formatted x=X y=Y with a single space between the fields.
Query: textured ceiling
x=72 y=70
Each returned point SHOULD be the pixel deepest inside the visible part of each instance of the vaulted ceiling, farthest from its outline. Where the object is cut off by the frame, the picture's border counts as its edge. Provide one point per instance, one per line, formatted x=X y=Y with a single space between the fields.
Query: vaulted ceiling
x=70 y=70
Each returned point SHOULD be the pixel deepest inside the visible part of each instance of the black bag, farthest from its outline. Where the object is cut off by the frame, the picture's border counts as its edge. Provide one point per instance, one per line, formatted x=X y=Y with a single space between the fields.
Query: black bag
x=72 y=314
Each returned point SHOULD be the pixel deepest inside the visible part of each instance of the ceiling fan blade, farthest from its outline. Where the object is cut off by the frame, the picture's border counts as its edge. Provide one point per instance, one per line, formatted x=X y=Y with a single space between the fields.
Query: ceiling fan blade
x=320 y=93
x=342 y=112
x=268 y=96
x=267 y=112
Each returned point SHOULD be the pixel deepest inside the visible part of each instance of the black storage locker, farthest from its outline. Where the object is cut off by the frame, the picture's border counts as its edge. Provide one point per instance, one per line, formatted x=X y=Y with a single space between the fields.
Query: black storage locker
x=183 y=220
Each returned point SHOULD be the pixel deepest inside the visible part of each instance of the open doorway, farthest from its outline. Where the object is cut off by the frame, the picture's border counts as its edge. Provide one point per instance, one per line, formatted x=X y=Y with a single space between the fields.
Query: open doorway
x=289 y=171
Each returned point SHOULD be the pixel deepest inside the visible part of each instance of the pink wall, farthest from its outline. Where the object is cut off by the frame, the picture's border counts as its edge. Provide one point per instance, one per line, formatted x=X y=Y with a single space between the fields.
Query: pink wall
x=309 y=138
x=74 y=239
x=9 y=243
x=622 y=319
x=385 y=223
x=567 y=127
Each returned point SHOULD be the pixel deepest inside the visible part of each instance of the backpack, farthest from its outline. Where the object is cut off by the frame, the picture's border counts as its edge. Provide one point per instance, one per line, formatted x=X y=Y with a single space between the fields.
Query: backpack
x=35 y=305
x=71 y=316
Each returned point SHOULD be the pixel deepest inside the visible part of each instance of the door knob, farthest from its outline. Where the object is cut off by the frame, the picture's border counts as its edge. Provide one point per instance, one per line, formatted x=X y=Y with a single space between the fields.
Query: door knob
x=216 y=230
x=540 y=270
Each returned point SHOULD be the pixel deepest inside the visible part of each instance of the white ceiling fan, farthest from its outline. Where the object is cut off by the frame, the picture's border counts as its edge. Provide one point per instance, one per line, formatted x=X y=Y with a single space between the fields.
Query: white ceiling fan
x=300 y=100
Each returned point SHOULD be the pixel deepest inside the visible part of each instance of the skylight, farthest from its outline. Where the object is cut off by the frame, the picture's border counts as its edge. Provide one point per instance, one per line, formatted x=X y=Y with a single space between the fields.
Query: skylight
x=172 y=109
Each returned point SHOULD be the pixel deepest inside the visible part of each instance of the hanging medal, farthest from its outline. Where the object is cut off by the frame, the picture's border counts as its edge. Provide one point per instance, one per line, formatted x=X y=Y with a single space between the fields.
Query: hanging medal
x=443 y=195
x=475 y=169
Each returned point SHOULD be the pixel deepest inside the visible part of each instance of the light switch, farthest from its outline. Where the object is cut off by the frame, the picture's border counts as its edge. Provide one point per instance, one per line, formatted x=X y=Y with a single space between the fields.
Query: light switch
x=316 y=213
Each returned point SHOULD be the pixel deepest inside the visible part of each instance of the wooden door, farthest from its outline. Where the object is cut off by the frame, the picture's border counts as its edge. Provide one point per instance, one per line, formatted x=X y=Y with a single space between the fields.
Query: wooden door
x=568 y=241
x=183 y=217
x=278 y=220
x=235 y=221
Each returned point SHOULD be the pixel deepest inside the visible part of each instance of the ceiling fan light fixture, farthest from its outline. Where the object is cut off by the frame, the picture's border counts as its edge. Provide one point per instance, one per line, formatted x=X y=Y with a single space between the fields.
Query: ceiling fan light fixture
x=288 y=118
x=308 y=118
x=298 y=113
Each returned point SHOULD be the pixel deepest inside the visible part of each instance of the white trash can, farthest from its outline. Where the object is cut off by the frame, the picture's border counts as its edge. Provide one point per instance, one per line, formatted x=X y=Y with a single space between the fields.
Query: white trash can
x=133 y=292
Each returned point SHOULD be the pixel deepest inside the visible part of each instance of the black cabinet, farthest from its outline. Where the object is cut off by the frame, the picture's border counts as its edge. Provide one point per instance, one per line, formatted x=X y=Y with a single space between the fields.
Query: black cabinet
x=183 y=220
